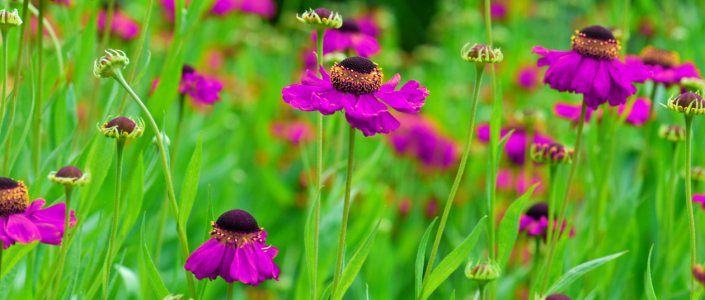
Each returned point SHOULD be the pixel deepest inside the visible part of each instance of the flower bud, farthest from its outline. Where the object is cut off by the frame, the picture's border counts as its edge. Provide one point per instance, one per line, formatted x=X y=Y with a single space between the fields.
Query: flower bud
x=109 y=64
x=123 y=128
x=673 y=133
x=9 y=19
x=529 y=116
x=321 y=17
x=553 y=153
x=481 y=54
x=687 y=103
x=697 y=173
x=699 y=274
x=693 y=84
x=70 y=176
x=482 y=273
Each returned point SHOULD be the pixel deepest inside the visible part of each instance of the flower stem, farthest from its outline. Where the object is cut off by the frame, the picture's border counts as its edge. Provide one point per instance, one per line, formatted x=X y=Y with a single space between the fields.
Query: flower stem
x=551 y=201
x=16 y=89
x=346 y=210
x=116 y=215
x=64 y=241
x=167 y=177
x=689 y=199
x=36 y=145
x=482 y=291
x=5 y=33
x=231 y=287
x=564 y=204
x=319 y=172
x=479 y=68
x=669 y=220
x=140 y=45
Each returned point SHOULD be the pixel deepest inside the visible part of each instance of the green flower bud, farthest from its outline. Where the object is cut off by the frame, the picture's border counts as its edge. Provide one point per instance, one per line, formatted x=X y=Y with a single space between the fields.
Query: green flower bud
x=687 y=103
x=481 y=54
x=123 y=128
x=321 y=17
x=70 y=176
x=9 y=19
x=109 y=64
x=553 y=153
x=482 y=273
x=673 y=133
x=693 y=84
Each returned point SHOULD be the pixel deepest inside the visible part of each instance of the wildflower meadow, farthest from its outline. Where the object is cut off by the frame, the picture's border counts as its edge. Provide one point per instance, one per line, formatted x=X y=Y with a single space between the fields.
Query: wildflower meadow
x=310 y=150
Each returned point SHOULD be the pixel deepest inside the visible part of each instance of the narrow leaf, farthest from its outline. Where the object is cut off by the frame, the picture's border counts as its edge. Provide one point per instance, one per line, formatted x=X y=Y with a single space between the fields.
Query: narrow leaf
x=578 y=271
x=309 y=238
x=190 y=187
x=451 y=262
x=650 y=293
x=509 y=227
x=154 y=278
x=420 y=256
x=355 y=264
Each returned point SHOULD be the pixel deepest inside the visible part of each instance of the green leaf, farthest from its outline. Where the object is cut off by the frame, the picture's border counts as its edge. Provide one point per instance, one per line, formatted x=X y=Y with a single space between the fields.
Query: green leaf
x=154 y=278
x=309 y=238
x=452 y=296
x=579 y=270
x=650 y=293
x=509 y=227
x=209 y=215
x=451 y=262
x=355 y=263
x=134 y=197
x=420 y=256
x=13 y=255
x=190 y=187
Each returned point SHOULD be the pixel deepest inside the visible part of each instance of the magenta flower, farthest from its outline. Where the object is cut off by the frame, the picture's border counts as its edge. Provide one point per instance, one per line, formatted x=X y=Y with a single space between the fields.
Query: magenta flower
x=505 y=179
x=516 y=144
x=25 y=222
x=236 y=252
x=264 y=8
x=699 y=198
x=638 y=114
x=592 y=68
x=498 y=10
x=527 y=77
x=535 y=221
x=203 y=90
x=355 y=85
x=351 y=36
x=123 y=25
x=419 y=137
x=293 y=131
x=665 y=65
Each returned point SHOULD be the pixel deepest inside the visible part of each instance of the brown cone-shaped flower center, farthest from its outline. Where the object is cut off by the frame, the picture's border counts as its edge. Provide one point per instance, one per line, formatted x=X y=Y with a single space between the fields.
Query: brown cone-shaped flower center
x=123 y=124
x=322 y=13
x=538 y=210
x=596 y=42
x=187 y=69
x=356 y=75
x=349 y=26
x=69 y=172
x=691 y=100
x=484 y=50
x=13 y=197
x=237 y=220
x=558 y=297
x=657 y=57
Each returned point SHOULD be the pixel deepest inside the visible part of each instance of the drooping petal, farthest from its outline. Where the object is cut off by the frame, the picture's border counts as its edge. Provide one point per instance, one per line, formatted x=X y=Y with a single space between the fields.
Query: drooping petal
x=21 y=229
x=205 y=261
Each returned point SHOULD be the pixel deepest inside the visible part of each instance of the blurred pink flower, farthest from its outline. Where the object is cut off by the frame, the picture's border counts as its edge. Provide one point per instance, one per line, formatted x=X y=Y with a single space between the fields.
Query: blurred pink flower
x=123 y=25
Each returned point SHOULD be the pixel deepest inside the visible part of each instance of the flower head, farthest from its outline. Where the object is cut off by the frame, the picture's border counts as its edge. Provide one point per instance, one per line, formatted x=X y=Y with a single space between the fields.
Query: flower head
x=693 y=84
x=482 y=273
x=294 y=132
x=638 y=113
x=558 y=297
x=527 y=77
x=592 y=68
x=699 y=274
x=673 y=133
x=25 y=222
x=697 y=173
x=70 y=176
x=687 y=103
x=355 y=85
x=236 y=252
x=109 y=64
x=123 y=26
x=321 y=17
x=553 y=153
x=264 y=8
x=123 y=128
x=515 y=147
x=665 y=65
x=351 y=35
x=9 y=19
x=481 y=54
x=535 y=221
x=420 y=138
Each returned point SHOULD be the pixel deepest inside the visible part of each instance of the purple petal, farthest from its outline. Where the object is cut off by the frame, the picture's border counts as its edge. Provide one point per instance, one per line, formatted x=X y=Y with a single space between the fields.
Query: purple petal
x=205 y=261
x=383 y=123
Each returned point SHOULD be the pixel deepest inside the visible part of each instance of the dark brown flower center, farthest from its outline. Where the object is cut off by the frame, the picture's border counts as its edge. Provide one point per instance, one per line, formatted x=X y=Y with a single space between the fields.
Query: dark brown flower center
x=596 y=42
x=537 y=211
x=122 y=124
x=356 y=75
x=322 y=13
x=657 y=57
x=691 y=100
x=13 y=197
x=69 y=172
x=237 y=220
x=187 y=69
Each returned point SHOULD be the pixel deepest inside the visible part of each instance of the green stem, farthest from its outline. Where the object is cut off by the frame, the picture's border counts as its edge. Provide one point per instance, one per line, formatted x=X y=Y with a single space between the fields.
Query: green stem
x=625 y=26
x=5 y=33
x=479 y=68
x=689 y=200
x=319 y=172
x=482 y=291
x=551 y=201
x=1 y=246
x=16 y=89
x=346 y=210
x=64 y=241
x=116 y=216
x=36 y=145
x=167 y=177
x=231 y=288
x=669 y=220
x=649 y=128
x=138 y=53
x=564 y=204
